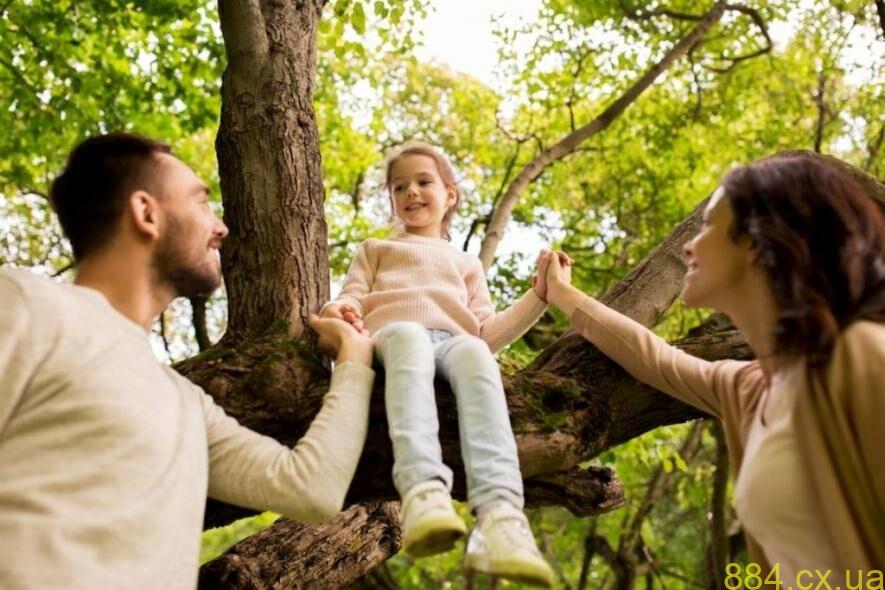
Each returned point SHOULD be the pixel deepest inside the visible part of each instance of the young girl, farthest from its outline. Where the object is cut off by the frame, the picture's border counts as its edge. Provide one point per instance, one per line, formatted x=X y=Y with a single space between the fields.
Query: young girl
x=427 y=306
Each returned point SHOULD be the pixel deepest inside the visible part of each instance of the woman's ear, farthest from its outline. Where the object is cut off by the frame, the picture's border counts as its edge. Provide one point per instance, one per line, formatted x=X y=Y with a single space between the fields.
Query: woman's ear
x=144 y=212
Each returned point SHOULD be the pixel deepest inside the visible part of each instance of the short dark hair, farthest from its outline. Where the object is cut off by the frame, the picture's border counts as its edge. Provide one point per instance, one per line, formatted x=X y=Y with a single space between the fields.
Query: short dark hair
x=89 y=195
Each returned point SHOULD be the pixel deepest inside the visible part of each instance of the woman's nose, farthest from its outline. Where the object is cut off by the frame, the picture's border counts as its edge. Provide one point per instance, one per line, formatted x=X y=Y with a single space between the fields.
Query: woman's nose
x=687 y=250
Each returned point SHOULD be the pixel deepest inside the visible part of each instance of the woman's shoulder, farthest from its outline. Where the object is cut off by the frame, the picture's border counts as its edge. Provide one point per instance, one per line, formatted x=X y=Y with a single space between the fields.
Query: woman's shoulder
x=857 y=365
x=865 y=338
x=865 y=331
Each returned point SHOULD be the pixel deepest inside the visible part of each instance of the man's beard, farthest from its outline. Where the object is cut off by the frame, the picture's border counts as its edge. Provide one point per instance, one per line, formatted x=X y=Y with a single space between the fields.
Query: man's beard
x=186 y=275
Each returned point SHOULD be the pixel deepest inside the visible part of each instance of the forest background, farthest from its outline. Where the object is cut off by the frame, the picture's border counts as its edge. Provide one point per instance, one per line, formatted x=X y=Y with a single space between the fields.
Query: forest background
x=764 y=77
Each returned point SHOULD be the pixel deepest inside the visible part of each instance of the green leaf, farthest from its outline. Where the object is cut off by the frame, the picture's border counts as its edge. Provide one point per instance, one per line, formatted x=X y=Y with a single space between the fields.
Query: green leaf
x=358 y=19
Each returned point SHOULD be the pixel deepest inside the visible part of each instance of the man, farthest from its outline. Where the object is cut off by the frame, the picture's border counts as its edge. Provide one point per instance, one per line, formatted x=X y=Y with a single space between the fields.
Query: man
x=106 y=456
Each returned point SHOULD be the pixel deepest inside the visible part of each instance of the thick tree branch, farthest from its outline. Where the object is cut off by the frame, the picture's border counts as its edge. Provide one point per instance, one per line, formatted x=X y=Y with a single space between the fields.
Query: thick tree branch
x=342 y=550
x=245 y=38
x=504 y=210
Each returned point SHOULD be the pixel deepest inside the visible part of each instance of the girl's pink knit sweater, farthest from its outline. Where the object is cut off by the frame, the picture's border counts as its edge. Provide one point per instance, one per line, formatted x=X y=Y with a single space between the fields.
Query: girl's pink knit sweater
x=429 y=281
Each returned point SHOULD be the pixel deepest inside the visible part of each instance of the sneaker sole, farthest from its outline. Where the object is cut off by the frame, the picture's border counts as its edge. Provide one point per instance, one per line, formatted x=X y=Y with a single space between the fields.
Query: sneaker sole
x=511 y=570
x=433 y=536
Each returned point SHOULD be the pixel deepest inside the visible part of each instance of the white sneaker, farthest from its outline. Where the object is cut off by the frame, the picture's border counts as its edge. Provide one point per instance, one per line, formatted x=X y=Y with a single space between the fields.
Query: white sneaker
x=502 y=545
x=430 y=523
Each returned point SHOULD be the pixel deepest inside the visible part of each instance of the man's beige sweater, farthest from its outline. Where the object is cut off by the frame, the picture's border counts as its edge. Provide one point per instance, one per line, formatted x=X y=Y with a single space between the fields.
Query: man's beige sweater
x=429 y=281
x=107 y=456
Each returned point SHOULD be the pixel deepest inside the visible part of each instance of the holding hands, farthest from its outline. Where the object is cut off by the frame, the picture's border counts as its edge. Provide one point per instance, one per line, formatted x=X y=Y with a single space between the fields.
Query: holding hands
x=341 y=340
x=345 y=312
x=552 y=266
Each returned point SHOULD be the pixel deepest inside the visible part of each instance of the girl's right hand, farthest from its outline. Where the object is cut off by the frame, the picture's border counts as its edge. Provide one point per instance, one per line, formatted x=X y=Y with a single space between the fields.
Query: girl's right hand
x=345 y=312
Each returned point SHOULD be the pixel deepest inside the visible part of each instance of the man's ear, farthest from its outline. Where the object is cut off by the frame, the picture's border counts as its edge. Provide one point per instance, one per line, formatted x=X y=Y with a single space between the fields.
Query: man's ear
x=144 y=212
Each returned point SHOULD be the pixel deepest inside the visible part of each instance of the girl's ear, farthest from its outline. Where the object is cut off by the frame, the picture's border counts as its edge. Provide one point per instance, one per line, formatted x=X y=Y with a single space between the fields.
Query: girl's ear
x=453 y=195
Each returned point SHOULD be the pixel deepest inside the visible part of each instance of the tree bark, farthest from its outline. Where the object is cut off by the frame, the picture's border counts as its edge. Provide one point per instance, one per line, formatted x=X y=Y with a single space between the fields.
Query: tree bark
x=330 y=555
x=274 y=260
x=567 y=145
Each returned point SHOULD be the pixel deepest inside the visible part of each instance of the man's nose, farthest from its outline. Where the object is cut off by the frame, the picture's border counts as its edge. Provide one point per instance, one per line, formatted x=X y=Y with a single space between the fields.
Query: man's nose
x=221 y=230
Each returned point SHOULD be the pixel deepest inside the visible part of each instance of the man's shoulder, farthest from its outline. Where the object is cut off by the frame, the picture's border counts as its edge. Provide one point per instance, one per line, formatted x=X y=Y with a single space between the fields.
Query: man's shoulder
x=22 y=287
x=42 y=295
x=21 y=279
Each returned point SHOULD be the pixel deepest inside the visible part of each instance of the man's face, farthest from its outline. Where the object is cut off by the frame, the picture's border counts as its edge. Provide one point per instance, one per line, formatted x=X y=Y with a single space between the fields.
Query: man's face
x=187 y=254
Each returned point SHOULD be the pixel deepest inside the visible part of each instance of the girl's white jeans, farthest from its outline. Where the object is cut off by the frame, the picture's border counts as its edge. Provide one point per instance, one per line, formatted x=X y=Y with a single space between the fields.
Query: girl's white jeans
x=411 y=356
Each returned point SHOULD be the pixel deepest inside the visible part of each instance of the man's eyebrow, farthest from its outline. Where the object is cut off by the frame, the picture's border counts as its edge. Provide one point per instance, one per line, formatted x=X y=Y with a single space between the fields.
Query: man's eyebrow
x=203 y=189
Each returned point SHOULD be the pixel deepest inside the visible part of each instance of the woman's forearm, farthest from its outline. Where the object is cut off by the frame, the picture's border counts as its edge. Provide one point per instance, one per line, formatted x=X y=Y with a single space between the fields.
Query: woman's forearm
x=564 y=296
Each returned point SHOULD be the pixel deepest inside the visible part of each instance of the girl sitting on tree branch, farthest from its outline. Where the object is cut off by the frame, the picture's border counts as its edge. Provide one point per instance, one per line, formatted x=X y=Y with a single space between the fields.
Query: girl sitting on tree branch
x=427 y=306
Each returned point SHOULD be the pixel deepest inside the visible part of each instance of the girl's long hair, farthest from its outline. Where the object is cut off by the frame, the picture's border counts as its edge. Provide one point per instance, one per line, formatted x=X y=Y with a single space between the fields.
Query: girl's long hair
x=820 y=239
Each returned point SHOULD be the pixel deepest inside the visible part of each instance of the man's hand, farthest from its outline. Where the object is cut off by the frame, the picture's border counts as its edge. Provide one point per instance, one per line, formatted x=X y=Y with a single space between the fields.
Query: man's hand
x=342 y=340
x=345 y=312
x=541 y=277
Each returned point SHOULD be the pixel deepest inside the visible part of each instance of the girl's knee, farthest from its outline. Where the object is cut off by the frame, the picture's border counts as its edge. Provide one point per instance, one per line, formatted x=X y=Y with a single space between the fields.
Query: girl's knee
x=410 y=331
x=470 y=354
x=465 y=344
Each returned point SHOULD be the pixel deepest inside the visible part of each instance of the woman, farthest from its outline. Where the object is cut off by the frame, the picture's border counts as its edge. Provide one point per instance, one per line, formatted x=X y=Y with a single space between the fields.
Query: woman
x=793 y=252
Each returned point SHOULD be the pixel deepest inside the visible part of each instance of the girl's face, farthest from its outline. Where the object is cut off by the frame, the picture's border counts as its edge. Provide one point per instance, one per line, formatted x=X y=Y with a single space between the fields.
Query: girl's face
x=420 y=197
x=718 y=266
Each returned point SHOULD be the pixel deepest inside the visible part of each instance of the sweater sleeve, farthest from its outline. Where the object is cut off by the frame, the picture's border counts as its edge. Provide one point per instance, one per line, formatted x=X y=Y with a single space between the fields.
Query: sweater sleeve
x=502 y=328
x=308 y=482
x=359 y=280
x=18 y=357
x=708 y=386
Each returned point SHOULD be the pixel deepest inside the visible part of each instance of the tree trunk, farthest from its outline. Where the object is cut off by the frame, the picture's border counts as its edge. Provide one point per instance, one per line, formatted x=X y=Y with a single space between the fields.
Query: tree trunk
x=274 y=260
x=567 y=145
x=718 y=553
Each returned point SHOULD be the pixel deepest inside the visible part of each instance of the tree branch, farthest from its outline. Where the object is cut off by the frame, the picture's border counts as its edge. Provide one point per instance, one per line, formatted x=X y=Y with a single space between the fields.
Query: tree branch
x=357 y=541
x=567 y=145
x=245 y=37
x=763 y=28
x=880 y=8
x=198 y=319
